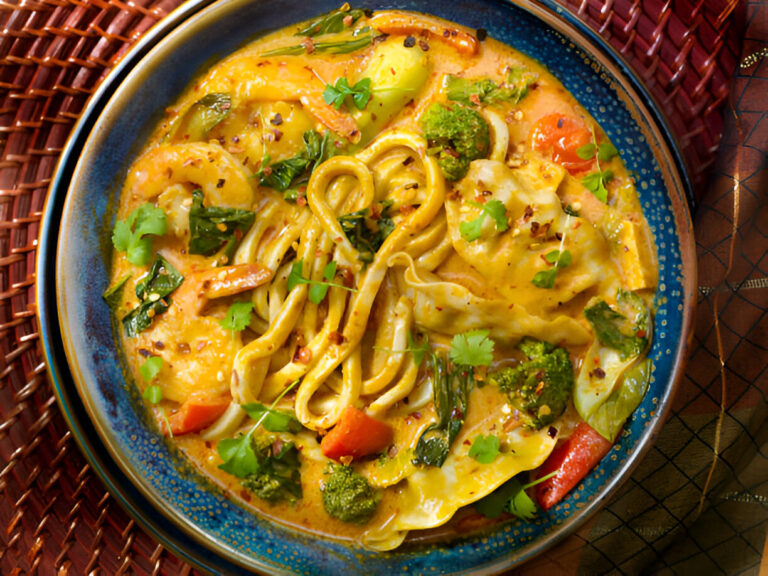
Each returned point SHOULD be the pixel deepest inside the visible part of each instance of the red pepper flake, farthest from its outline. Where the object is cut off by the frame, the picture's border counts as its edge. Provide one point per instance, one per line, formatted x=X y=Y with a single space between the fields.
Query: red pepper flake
x=439 y=308
x=337 y=338
x=480 y=199
x=540 y=387
x=309 y=45
x=183 y=348
x=346 y=275
x=412 y=186
x=348 y=20
x=423 y=45
x=406 y=209
x=159 y=345
x=475 y=99
x=200 y=345
x=535 y=228
x=409 y=160
x=416 y=415
x=301 y=201
x=409 y=42
x=278 y=134
x=453 y=195
x=527 y=213
x=641 y=333
x=303 y=355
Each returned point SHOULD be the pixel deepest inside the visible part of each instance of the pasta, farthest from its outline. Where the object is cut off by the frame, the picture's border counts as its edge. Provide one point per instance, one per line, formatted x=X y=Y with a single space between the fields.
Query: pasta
x=373 y=268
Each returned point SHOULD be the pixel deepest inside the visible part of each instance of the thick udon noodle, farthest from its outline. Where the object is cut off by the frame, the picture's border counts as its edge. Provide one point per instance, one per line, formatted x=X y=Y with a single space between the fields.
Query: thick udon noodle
x=354 y=347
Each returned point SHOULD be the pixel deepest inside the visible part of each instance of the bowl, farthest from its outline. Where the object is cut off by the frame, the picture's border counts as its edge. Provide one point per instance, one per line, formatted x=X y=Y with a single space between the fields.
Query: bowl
x=149 y=478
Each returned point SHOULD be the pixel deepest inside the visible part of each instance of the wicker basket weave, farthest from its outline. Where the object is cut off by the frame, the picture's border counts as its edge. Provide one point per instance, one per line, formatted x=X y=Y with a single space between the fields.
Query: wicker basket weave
x=55 y=514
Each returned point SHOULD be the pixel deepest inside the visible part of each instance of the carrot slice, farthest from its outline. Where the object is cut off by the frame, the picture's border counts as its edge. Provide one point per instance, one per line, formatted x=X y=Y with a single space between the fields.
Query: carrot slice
x=573 y=460
x=355 y=435
x=196 y=414
x=562 y=136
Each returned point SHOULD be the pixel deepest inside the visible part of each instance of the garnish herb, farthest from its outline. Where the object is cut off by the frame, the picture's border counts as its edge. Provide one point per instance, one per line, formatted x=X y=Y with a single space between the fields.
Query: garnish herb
x=511 y=497
x=451 y=391
x=559 y=260
x=486 y=91
x=151 y=368
x=318 y=289
x=271 y=419
x=624 y=329
x=360 y=93
x=213 y=227
x=365 y=233
x=595 y=182
x=153 y=394
x=484 y=449
x=417 y=349
x=237 y=453
x=131 y=235
x=334 y=21
x=238 y=317
x=113 y=294
x=202 y=117
x=472 y=230
x=281 y=175
x=472 y=348
x=152 y=291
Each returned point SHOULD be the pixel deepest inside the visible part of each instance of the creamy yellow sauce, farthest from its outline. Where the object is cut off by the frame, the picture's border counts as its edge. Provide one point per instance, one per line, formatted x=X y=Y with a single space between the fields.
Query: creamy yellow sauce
x=348 y=349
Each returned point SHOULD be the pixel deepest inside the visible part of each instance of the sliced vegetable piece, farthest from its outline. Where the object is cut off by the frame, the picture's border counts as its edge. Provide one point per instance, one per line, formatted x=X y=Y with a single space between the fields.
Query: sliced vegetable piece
x=355 y=435
x=572 y=461
x=201 y=118
x=195 y=414
x=562 y=136
x=609 y=418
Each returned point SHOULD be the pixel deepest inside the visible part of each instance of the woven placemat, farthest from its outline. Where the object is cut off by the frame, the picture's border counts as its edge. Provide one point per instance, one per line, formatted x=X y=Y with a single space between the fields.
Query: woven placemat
x=55 y=515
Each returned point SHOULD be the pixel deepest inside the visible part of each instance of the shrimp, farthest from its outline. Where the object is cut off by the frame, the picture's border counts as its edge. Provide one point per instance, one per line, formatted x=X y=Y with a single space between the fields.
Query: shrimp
x=271 y=80
x=394 y=22
x=223 y=180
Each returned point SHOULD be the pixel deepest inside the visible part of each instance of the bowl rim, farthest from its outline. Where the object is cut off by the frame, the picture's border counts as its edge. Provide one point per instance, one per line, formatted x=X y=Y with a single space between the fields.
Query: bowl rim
x=100 y=454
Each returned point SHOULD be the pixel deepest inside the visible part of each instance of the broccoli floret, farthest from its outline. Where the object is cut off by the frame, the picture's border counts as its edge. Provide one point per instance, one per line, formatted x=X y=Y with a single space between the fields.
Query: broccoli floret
x=541 y=386
x=456 y=135
x=348 y=496
x=278 y=477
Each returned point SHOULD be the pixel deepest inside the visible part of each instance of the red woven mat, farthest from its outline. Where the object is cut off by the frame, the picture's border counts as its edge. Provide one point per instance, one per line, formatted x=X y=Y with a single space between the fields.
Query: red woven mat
x=56 y=516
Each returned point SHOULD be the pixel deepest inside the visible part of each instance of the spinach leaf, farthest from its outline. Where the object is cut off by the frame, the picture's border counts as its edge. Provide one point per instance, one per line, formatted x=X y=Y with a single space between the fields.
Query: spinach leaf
x=625 y=328
x=366 y=233
x=332 y=22
x=152 y=291
x=282 y=174
x=132 y=234
x=451 y=392
x=359 y=39
x=213 y=227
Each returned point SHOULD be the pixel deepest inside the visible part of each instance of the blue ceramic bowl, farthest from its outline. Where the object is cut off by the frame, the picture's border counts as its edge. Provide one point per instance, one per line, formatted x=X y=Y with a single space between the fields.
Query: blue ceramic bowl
x=145 y=475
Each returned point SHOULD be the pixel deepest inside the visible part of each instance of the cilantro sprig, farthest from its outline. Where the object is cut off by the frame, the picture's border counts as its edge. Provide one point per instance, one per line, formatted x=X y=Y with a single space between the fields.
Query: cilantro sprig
x=154 y=393
x=559 y=260
x=151 y=368
x=238 y=317
x=417 y=349
x=472 y=348
x=595 y=181
x=473 y=229
x=132 y=234
x=317 y=289
x=238 y=455
x=511 y=497
x=484 y=449
x=336 y=95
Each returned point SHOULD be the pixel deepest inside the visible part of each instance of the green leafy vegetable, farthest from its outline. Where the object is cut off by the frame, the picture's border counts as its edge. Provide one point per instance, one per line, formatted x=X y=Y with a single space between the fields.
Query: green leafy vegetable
x=456 y=135
x=153 y=394
x=418 y=349
x=595 y=182
x=278 y=476
x=131 y=235
x=472 y=230
x=511 y=497
x=316 y=295
x=360 y=93
x=152 y=291
x=472 y=348
x=201 y=118
x=559 y=260
x=238 y=316
x=486 y=91
x=348 y=496
x=450 y=392
x=367 y=233
x=282 y=175
x=271 y=419
x=625 y=329
x=484 y=449
x=359 y=38
x=213 y=227
x=151 y=368
x=334 y=21
x=540 y=387
x=113 y=294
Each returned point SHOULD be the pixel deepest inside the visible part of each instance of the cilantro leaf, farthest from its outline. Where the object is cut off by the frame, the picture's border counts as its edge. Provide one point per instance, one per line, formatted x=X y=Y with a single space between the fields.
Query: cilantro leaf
x=546 y=278
x=130 y=235
x=153 y=394
x=520 y=504
x=151 y=368
x=336 y=95
x=316 y=295
x=271 y=419
x=606 y=152
x=238 y=316
x=472 y=348
x=238 y=455
x=472 y=230
x=595 y=182
x=484 y=449
x=586 y=152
